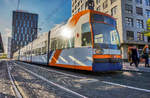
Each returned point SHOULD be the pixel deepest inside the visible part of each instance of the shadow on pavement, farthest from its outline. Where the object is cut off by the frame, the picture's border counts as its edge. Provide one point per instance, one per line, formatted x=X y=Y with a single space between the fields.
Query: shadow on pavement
x=2 y=95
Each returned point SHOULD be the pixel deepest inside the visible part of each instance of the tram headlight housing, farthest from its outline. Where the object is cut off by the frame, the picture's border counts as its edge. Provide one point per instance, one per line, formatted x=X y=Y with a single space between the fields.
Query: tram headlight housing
x=98 y=51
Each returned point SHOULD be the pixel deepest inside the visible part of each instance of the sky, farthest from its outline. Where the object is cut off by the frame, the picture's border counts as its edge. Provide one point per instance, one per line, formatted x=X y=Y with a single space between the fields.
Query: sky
x=51 y=12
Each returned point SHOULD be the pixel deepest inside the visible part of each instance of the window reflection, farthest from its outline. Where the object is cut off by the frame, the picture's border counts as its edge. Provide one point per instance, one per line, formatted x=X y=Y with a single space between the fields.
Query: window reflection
x=105 y=36
x=86 y=35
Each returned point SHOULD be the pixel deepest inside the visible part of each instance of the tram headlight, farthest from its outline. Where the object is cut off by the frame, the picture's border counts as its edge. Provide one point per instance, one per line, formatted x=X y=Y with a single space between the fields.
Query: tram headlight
x=98 y=51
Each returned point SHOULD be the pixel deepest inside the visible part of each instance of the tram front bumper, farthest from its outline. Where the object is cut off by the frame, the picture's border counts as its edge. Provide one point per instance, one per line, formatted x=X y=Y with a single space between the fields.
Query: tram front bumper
x=106 y=66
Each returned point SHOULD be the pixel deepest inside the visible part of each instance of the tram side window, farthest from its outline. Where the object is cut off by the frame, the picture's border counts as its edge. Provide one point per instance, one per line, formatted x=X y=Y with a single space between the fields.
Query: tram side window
x=53 y=43
x=34 y=53
x=61 y=43
x=86 y=35
x=43 y=50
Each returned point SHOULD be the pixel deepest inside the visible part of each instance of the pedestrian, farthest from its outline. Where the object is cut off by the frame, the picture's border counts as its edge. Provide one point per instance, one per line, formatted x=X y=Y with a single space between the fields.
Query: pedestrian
x=130 y=56
x=145 y=52
x=134 y=56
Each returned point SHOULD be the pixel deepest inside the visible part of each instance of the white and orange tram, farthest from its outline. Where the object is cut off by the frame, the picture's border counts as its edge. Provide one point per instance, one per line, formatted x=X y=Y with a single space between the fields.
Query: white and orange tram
x=88 y=41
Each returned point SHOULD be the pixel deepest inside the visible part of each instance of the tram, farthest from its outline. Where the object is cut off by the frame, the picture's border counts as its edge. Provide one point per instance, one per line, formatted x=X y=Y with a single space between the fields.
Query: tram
x=88 y=41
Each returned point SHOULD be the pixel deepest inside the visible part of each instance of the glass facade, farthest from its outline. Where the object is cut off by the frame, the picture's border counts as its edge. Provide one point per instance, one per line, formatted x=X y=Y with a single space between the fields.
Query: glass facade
x=25 y=25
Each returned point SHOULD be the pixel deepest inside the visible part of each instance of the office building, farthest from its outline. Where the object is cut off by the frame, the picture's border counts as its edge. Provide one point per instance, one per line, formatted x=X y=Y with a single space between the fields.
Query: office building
x=131 y=16
x=1 y=45
x=24 y=29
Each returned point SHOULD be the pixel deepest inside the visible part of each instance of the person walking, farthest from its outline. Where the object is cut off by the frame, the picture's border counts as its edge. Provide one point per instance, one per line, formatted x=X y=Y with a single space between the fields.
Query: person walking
x=130 y=56
x=146 y=55
x=134 y=56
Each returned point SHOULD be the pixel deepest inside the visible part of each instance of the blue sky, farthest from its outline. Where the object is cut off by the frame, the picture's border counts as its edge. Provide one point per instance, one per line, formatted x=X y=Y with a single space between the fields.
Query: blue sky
x=51 y=12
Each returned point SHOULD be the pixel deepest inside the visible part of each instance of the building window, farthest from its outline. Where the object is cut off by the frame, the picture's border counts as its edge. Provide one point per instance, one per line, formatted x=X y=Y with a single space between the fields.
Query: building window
x=138 y=1
x=23 y=37
x=130 y=0
x=129 y=21
x=147 y=2
x=140 y=36
x=97 y=1
x=139 y=23
x=105 y=4
x=112 y=1
x=27 y=23
x=21 y=44
x=16 y=23
x=139 y=11
x=130 y=35
x=128 y=9
x=79 y=10
x=19 y=37
x=82 y=7
x=148 y=13
x=22 y=30
x=113 y=11
x=31 y=39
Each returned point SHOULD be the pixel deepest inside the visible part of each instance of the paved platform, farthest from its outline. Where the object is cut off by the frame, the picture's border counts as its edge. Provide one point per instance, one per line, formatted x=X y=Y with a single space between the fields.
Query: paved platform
x=140 y=68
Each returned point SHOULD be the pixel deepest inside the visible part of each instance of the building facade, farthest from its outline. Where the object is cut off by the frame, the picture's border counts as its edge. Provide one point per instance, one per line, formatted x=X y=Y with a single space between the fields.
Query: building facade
x=9 y=48
x=24 y=29
x=1 y=45
x=131 y=16
x=80 y=5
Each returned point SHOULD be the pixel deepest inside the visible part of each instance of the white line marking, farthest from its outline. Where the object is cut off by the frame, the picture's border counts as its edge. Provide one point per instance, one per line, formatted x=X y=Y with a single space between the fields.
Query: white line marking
x=59 y=86
x=14 y=86
x=89 y=58
x=63 y=59
x=54 y=71
x=135 y=88
x=77 y=61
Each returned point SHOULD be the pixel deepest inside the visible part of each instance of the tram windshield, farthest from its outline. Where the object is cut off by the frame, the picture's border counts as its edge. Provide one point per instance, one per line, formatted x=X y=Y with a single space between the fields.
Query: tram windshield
x=105 y=36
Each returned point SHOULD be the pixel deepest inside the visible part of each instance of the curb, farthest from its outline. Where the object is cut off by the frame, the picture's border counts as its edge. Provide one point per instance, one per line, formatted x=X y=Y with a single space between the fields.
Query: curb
x=135 y=71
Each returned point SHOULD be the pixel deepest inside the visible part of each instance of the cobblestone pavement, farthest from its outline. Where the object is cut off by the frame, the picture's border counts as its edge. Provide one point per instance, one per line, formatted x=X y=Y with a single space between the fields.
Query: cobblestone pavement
x=6 y=90
x=33 y=82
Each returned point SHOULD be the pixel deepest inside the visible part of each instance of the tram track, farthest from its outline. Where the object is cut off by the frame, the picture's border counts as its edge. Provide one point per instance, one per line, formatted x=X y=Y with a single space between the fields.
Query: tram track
x=55 y=71
x=57 y=85
x=14 y=86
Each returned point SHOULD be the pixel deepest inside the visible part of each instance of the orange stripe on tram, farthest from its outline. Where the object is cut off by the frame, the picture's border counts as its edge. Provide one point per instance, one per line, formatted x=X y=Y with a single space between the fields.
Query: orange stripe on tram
x=106 y=56
x=55 y=57
x=88 y=68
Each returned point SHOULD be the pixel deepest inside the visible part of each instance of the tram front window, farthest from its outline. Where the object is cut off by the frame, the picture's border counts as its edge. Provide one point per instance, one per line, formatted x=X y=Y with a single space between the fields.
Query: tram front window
x=105 y=36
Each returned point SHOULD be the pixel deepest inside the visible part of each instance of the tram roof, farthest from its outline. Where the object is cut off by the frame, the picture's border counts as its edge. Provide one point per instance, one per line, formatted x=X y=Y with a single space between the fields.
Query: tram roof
x=74 y=19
